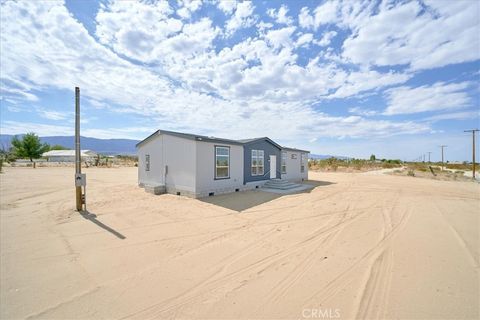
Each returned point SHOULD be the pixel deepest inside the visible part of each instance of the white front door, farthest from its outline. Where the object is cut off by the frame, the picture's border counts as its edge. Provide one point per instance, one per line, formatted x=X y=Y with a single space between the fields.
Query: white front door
x=273 y=167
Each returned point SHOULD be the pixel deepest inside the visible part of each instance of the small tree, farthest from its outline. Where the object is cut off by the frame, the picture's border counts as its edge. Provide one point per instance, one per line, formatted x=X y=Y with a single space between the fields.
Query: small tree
x=29 y=147
x=372 y=157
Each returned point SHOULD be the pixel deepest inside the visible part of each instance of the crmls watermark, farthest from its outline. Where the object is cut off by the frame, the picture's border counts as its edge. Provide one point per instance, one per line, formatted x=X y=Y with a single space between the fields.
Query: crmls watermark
x=321 y=313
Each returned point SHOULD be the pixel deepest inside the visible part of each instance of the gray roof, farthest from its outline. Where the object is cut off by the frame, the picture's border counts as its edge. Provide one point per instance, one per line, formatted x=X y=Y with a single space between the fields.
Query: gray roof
x=198 y=137
x=247 y=141
x=295 y=149
x=68 y=153
x=191 y=136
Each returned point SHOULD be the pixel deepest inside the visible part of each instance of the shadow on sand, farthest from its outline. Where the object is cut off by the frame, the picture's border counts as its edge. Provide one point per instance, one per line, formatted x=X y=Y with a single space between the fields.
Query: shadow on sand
x=93 y=217
x=239 y=201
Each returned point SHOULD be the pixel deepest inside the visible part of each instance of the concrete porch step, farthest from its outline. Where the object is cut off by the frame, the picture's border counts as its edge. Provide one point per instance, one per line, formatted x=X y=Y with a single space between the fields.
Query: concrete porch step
x=280 y=184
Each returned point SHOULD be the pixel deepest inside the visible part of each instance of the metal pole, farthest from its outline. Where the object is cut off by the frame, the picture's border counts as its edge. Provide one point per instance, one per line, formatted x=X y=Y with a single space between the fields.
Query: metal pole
x=473 y=150
x=442 y=156
x=429 y=156
x=78 y=165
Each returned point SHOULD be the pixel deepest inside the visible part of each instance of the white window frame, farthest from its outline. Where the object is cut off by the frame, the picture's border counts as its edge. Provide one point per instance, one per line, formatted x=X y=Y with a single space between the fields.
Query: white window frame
x=284 y=162
x=147 y=162
x=257 y=155
x=218 y=167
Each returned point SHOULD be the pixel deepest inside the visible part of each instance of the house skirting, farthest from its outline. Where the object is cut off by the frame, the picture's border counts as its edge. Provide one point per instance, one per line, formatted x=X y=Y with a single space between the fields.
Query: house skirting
x=162 y=189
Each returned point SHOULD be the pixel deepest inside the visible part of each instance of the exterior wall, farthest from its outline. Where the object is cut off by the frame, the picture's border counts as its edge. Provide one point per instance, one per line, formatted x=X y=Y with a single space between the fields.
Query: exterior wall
x=180 y=157
x=269 y=149
x=154 y=148
x=67 y=158
x=172 y=164
x=293 y=166
x=205 y=169
x=61 y=159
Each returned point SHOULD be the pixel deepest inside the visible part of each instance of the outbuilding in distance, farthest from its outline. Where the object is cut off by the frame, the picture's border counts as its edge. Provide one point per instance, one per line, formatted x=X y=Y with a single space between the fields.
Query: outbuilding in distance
x=199 y=166
x=68 y=155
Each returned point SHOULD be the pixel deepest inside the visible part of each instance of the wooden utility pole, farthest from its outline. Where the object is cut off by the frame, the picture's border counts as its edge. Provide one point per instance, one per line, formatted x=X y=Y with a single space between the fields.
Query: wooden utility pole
x=429 y=156
x=473 y=150
x=78 y=164
x=442 y=146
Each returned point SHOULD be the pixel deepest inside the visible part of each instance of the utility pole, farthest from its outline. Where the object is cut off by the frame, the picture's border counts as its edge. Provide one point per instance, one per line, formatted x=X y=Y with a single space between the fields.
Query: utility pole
x=473 y=149
x=442 y=146
x=429 y=156
x=80 y=179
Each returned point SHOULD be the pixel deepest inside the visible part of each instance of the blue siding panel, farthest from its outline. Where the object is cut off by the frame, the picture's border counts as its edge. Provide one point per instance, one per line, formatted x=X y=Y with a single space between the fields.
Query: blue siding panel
x=269 y=149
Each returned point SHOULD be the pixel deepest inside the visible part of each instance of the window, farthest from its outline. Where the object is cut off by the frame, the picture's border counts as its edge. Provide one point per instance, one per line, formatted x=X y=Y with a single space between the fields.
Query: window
x=222 y=162
x=284 y=162
x=258 y=162
x=302 y=163
x=147 y=162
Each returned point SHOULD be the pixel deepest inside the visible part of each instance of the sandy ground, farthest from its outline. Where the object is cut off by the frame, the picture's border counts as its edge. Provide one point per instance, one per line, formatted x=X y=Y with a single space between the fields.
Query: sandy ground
x=355 y=246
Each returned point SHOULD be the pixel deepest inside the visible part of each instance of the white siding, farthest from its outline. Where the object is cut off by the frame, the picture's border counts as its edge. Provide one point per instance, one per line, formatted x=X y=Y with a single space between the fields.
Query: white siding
x=180 y=157
x=154 y=148
x=206 y=182
x=294 y=164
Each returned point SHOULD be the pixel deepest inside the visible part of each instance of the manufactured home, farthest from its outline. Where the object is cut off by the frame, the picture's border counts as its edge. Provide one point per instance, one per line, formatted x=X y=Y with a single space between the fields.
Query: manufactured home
x=199 y=166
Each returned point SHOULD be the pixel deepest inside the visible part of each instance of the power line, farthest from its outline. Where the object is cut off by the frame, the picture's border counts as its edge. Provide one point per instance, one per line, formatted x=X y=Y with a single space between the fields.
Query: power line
x=473 y=149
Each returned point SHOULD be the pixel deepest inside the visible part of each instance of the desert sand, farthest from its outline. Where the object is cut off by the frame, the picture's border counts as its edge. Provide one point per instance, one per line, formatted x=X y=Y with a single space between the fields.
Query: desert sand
x=355 y=246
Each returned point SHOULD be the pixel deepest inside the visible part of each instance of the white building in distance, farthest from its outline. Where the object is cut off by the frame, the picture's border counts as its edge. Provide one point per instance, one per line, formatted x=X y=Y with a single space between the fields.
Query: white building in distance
x=68 y=155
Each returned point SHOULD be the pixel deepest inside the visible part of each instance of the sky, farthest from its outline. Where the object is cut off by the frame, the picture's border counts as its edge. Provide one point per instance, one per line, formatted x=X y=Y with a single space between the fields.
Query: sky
x=352 y=78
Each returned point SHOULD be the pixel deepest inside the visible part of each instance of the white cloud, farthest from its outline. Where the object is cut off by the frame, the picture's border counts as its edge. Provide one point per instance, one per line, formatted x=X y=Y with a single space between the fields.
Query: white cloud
x=413 y=37
x=280 y=37
x=304 y=39
x=364 y=80
x=17 y=127
x=439 y=96
x=45 y=130
x=327 y=38
x=305 y=20
x=52 y=115
x=327 y=13
x=255 y=86
x=242 y=18
x=465 y=115
x=16 y=93
x=187 y=7
x=362 y=111
x=227 y=6
x=135 y=29
x=280 y=15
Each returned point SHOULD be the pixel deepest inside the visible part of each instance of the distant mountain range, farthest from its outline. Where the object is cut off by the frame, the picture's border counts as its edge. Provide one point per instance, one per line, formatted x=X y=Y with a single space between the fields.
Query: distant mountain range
x=103 y=146
x=106 y=146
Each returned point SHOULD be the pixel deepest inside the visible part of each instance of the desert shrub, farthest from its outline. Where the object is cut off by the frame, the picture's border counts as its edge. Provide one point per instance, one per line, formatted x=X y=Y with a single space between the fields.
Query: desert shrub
x=459 y=166
x=388 y=165
x=357 y=164
x=411 y=173
x=332 y=163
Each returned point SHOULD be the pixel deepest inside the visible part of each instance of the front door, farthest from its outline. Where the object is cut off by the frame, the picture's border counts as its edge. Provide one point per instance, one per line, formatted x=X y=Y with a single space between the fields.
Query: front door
x=273 y=167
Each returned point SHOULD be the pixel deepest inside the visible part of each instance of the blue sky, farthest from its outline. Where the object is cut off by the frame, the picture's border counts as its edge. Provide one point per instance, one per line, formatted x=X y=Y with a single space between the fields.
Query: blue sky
x=393 y=78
